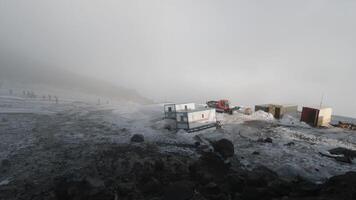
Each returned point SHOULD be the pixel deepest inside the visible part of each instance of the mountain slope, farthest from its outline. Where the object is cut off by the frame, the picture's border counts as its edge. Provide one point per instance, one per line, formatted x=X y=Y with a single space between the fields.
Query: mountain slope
x=28 y=73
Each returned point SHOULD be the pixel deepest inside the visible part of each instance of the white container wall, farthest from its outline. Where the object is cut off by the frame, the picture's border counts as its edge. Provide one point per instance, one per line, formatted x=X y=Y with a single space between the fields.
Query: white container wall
x=170 y=111
x=182 y=120
x=189 y=117
x=201 y=118
x=186 y=106
x=324 y=118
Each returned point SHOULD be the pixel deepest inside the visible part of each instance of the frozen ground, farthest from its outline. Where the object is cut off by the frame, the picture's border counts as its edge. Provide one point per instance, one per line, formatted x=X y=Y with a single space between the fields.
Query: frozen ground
x=295 y=149
x=42 y=137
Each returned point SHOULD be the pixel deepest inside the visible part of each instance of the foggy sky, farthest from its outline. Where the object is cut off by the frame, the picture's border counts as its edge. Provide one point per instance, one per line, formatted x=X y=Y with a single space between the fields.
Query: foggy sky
x=184 y=50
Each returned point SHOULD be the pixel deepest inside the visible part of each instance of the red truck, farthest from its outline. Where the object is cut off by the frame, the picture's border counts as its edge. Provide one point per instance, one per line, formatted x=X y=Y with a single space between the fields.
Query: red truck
x=222 y=106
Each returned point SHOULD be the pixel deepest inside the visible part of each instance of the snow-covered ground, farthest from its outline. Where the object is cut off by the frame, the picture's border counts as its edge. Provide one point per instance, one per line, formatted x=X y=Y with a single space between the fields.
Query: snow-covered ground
x=295 y=149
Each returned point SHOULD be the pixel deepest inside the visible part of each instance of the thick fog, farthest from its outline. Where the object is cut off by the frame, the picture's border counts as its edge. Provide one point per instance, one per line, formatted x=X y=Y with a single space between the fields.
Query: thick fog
x=181 y=50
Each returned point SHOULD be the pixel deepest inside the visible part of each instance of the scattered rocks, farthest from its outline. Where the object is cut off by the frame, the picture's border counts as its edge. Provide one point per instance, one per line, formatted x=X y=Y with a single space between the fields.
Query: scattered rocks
x=255 y=153
x=224 y=147
x=345 y=155
x=346 y=125
x=142 y=172
x=266 y=140
x=290 y=144
x=137 y=138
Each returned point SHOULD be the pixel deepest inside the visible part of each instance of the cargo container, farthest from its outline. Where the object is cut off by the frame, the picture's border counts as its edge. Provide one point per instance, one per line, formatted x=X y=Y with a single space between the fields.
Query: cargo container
x=277 y=110
x=317 y=117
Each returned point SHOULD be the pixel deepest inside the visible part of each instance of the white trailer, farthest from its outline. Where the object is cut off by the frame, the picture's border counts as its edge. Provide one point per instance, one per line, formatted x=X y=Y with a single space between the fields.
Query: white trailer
x=190 y=117
x=195 y=120
x=170 y=110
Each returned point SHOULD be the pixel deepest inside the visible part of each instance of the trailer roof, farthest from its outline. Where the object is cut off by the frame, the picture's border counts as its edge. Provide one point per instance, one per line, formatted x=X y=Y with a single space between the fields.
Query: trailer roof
x=195 y=110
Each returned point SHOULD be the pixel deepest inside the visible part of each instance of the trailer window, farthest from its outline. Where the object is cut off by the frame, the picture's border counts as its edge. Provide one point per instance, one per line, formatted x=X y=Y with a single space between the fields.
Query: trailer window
x=202 y=115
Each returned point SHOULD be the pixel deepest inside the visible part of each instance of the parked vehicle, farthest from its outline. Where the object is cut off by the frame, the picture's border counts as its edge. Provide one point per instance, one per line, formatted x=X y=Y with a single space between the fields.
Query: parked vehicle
x=222 y=106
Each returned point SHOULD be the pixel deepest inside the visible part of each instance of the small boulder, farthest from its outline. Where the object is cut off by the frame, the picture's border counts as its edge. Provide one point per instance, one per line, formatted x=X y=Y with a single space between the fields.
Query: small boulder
x=137 y=138
x=204 y=149
x=343 y=151
x=224 y=147
x=268 y=140
x=344 y=159
x=290 y=144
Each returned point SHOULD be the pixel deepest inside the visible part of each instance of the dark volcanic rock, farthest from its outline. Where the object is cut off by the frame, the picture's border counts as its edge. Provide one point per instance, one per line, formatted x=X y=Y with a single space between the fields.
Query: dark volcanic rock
x=340 y=187
x=266 y=140
x=137 y=138
x=180 y=190
x=303 y=188
x=142 y=172
x=290 y=144
x=204 y=149
x=5 y=165
x=343 y=151
x=344 y=159
x=347 y=154
x=260 y=177
x=209 y=167
x=224 y=147
x=152 y=186
x=82 y=189
x=254 y=193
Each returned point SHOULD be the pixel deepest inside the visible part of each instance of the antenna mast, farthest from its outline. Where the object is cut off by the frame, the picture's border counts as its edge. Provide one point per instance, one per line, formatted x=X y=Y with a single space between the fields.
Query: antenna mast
x=321 y=101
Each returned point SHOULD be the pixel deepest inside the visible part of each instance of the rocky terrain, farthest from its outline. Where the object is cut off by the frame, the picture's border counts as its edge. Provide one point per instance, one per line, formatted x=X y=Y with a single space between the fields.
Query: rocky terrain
x=140 y=171
x=76 y=150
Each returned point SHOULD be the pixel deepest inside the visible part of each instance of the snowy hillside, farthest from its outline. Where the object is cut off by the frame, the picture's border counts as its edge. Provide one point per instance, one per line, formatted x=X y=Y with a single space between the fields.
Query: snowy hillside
x=22 y=75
